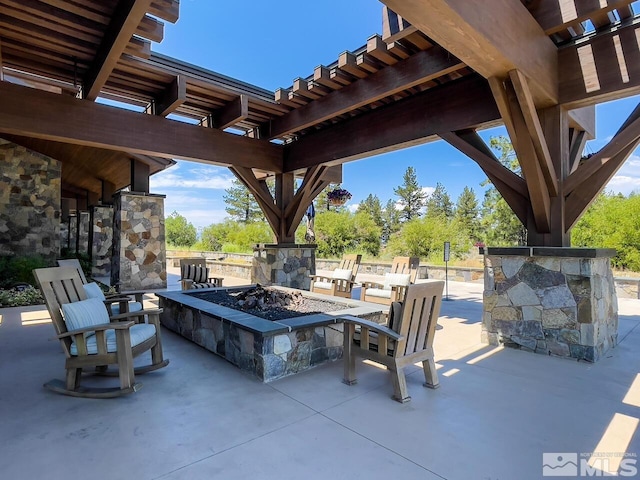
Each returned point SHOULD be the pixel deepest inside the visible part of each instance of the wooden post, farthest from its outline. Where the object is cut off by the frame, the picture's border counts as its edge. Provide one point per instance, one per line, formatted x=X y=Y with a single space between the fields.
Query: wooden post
x=285 y=183
x=139 y=176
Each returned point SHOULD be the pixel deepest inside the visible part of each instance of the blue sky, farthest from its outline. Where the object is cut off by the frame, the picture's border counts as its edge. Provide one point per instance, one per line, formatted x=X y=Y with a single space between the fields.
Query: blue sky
x=269 y=44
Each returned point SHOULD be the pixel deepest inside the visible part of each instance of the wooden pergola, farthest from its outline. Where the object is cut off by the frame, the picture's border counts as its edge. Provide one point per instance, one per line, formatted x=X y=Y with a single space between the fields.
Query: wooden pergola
x=441 y=69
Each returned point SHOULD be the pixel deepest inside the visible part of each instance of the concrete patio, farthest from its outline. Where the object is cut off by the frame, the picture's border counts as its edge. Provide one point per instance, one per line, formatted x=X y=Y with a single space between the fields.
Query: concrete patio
x=496 y=413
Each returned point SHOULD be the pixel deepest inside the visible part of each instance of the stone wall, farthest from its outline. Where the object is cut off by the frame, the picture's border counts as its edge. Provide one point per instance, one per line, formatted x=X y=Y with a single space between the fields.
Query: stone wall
x=139 y=250
x=83 y=231
x=288 y=265
x=30 y=201
x=101 y=240
x=551 y=301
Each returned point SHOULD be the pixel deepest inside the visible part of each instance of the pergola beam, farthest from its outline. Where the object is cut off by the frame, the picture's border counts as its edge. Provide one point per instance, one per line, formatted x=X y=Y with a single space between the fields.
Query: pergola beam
x=465 y=103
x=556 y=16
x=492 y=37
x=603 y=68
x=417 y=69
x=124 y=23
x=173 y=96
x=33 y=113
x=235 y=111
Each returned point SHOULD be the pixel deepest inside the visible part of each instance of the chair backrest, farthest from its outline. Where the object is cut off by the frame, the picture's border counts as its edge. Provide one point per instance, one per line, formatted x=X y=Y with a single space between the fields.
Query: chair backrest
x=406 y=265
x=185 y=262
x=60 y=285
x=75 y=263
x=419 y=317
x=351 y=262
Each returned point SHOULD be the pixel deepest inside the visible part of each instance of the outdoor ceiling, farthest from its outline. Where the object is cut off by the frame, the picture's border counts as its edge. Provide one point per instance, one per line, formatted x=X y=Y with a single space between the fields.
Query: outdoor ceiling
x=102 y=47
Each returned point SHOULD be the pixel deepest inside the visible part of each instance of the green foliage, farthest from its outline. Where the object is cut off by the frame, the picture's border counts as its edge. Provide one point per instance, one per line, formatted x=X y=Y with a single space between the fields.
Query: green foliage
x=20 y=298
x=179 y=232
x=373 y=207
x=412 y=198
x=322 y=200
x=612 y=221
x=468 y=213
x=234 y=237
x=241 y=204
x=391 y=220
x=439 y=203
x=339 y=232
x=18 y=270
x=425 y=237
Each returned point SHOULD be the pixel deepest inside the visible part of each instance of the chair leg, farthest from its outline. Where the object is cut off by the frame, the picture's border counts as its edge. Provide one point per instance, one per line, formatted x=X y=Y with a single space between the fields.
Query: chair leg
x=156 y=350
x=400 y=392
x=125 y=360
x=430 y=373
x=348 y=356
x=73 y=378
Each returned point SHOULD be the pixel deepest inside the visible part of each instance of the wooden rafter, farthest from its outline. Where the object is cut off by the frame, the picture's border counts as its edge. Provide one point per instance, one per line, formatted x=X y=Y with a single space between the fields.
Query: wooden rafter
x=578 y=141
x=511 y=186
x=413 y=121
x=592 y=72
x=508 y=39
x=33 y=113
x=417 y=69
x=556 y=16
x=124 y=23
x=234 y=112
x=173 y=96
x=264 y=198
x=589 y=170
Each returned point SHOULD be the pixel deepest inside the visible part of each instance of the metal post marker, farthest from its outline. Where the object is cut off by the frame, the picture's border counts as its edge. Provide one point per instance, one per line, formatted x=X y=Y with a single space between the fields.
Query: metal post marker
x=447 y=249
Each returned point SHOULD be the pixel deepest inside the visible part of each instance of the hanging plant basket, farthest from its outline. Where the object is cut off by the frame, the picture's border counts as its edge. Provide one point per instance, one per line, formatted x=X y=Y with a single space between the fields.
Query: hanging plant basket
x=338 y=197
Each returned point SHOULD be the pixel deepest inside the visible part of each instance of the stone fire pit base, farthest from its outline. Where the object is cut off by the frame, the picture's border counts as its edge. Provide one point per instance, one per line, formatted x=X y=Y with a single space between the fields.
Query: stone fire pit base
x=267 y=349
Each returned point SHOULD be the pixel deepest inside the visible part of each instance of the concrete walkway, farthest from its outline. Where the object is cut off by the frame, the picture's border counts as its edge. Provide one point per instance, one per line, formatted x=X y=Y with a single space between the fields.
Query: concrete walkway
x=495 y=415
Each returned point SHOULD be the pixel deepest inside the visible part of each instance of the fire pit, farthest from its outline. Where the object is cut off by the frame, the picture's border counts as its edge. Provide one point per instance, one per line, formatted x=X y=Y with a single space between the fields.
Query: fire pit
x=299 y=331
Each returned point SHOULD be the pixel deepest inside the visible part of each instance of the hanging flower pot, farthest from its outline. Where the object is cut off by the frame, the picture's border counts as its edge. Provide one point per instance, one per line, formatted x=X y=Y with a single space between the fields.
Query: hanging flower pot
x=338 y=197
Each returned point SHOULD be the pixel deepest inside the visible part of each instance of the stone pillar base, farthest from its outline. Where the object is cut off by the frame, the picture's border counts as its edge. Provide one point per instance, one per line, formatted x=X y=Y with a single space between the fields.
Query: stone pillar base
x=553 y=301
x=139 y=259
x=286 y=265
x=101 y=240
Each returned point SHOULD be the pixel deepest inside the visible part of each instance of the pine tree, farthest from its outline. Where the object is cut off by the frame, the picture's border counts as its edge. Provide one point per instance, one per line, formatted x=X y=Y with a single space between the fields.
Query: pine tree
x=241 y=204
x=411 y=195
x=467 y=213
x=390 y=220
x=439 y=203
x=373 y=207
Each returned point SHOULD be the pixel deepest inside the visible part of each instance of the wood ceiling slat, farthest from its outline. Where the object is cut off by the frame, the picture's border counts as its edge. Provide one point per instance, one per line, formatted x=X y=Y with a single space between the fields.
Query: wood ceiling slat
x=348 y=62
x=625 y=12
x=81 y=10
x=58 y=16
x=165 y=9
x=377 y=48
x=151 y=29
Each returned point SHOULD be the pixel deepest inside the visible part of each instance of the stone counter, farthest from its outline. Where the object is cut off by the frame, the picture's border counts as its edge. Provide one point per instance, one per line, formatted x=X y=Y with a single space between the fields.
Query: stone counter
x=558 y=301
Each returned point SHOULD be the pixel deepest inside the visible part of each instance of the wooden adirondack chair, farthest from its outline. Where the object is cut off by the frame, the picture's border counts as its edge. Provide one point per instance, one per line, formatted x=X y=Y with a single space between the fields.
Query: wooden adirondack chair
x=407 y=340
x=116 y=303
x=340 y=283
x=90 y=339
x=195 y=274
x=404 y=271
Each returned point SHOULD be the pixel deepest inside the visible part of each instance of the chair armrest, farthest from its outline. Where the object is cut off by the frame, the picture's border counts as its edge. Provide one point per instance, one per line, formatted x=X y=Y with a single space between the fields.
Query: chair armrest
x=372 y=285
x=96 y=328
x=372 y=326
x=139 y=313
x=320 y=278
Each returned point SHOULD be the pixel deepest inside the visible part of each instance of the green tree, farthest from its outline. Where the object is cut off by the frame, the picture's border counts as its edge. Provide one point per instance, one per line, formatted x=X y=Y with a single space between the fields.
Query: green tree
x=468 y=213
x=425 y=237
x=322 y=201
x=215 y=235
x=178 y=231
x=340 y=232
x=412 y=197
x=372 y=206
x=241 y=204
x=391 y=220
x=439 y=203
x=231 y=236
x=501 y=227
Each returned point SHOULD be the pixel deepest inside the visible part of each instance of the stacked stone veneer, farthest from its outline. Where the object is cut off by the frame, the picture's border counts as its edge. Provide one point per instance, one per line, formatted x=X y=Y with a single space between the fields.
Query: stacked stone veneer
x=84 y=222
x=266 y=349
x=551 y=301
x=101 y=240
x=139 y=250
x=285 y=265
x=30 y=202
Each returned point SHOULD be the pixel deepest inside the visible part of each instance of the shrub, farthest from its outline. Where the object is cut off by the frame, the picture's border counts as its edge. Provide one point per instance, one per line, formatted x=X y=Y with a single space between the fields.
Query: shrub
x=20 y=297
x=18 y=270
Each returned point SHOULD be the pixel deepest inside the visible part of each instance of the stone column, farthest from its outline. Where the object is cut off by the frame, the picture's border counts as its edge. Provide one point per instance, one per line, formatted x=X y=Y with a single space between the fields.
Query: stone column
x=29 y=203
x=286 y=265
x=557 y=301
x=101 y=240
x=139 y=249
x=72 y=237
x=84 y=222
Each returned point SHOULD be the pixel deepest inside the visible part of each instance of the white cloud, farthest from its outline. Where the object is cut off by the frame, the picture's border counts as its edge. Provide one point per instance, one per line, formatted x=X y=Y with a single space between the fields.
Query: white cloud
x=628 y=177
x=428 y=191
x=353 y=207
x=200 y=176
